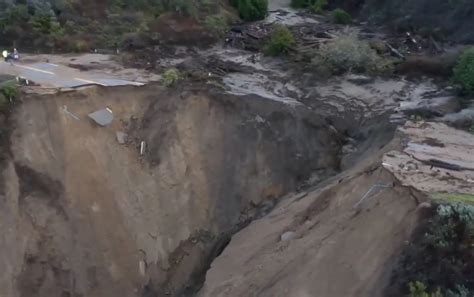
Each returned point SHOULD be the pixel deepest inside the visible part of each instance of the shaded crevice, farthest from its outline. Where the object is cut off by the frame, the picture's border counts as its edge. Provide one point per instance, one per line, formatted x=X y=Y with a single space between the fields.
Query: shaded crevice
x=36 y=185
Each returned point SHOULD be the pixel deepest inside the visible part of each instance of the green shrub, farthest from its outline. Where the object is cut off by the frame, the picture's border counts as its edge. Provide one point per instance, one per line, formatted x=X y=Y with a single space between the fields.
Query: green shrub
x=81 y=46
x=217 y=25
x=10 y=90
x=184 y=7
x=281 y=40
x=45 y=24
x=302 y=3
x=464 y=71
x=14 y=15
x=171 y=77
x=3 y=103
x=340 y=16
x=251 y=10
x=346 y=52
x=418 y=289
x=319 y=5
x=439 y=258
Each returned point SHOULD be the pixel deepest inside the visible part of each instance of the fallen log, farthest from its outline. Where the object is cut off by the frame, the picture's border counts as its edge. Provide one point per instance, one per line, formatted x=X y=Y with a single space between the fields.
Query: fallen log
x=394 y=51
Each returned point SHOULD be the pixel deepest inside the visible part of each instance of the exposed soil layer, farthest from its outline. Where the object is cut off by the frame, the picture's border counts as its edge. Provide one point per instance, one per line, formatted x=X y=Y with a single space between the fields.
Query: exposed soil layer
x=83 y=215
x=318 y=243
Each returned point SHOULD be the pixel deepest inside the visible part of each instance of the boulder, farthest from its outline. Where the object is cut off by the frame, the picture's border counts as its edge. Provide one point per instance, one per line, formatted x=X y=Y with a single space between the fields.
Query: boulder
x=287 y=236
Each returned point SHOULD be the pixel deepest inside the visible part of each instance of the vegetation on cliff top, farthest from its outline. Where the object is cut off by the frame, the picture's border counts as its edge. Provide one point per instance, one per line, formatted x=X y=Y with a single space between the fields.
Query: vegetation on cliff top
x=440 y=260
x=80 y=25
x=464 y=71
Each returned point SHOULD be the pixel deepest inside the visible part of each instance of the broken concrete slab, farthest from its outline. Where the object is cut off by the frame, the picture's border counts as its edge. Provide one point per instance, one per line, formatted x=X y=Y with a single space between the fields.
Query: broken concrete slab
x=437 y=159
x=102 y=117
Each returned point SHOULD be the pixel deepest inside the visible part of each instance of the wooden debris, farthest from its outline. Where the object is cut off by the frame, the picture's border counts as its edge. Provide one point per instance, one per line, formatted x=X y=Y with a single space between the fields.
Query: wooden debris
x=395 y=51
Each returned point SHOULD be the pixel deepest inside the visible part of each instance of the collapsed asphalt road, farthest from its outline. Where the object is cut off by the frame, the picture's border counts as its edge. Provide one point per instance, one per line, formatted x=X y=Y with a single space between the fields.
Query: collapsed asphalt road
x=61 y=76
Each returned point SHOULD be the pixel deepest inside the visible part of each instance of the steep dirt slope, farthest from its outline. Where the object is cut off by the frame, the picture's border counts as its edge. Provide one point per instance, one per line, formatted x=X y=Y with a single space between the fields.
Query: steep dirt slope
x=82 y=215
x=336 y=245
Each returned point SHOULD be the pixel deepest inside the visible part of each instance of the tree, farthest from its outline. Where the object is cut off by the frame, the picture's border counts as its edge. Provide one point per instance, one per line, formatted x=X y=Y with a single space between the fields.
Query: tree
x=464 y=71
x=10 y=90
x=251 y=10
x=280 y=42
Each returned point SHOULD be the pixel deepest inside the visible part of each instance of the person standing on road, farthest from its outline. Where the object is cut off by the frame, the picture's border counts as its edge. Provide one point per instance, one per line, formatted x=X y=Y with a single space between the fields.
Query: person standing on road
x=11 y=57
x=8 y=57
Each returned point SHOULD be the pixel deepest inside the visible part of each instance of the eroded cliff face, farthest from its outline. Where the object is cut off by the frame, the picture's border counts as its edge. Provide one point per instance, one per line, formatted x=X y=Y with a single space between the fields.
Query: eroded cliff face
x=82 y=215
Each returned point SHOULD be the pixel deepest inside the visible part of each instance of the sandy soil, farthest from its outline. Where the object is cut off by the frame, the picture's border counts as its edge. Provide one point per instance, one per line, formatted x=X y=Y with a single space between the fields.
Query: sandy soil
x=331 y=251
x=84 y=215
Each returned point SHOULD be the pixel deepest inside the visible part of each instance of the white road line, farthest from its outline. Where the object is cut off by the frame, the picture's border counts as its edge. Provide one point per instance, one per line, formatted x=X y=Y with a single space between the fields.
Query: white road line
x=90 y=81
x=54 y=65
x=35 y=69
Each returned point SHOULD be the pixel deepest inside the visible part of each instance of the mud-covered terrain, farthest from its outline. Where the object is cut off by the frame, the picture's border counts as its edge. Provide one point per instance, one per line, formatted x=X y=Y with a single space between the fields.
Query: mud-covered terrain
x=448 y=20
x=247 y=175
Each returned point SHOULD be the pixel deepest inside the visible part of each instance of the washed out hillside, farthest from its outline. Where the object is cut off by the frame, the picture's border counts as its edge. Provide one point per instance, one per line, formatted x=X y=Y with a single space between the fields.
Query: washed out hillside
x=236 y=148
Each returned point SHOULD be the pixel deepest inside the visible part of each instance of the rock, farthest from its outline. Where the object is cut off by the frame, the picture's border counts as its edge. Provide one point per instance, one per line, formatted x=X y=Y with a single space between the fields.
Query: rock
x=121 y=137
x=348 y=148
x=432 y=107
x=462 y=119
x=397 y=118
x=359 y=79
x=142 y=268
x=102 y=117
x=427 y=205
x=379 y=46
x=287 y=236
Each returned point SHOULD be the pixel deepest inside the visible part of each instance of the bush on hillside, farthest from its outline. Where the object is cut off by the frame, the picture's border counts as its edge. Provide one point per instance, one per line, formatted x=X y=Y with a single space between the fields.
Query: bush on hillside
x=316 y=6
x=9 y=90
x=319 y=5
x=45 y=24
x=171 y=77
x=302 y=3
x=3 y=104
x=251 y=10
x=418 y=289
x=48 y=24
x=439 y=261
x=347 y=53
x=340 y=16
x=464 y=71
x=281 y=40
x=217 y=25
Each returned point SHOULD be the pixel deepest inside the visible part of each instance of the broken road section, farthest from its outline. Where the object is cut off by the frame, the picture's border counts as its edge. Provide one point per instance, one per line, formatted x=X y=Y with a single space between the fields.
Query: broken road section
x=437 y=160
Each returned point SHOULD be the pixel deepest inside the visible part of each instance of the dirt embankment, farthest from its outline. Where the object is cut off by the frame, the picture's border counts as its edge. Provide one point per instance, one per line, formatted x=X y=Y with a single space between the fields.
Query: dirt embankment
x=83 y=215
x=342 y=239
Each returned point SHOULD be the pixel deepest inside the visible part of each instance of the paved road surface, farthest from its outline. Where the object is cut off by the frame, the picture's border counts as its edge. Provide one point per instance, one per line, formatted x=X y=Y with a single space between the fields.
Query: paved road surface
x=60 y=76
